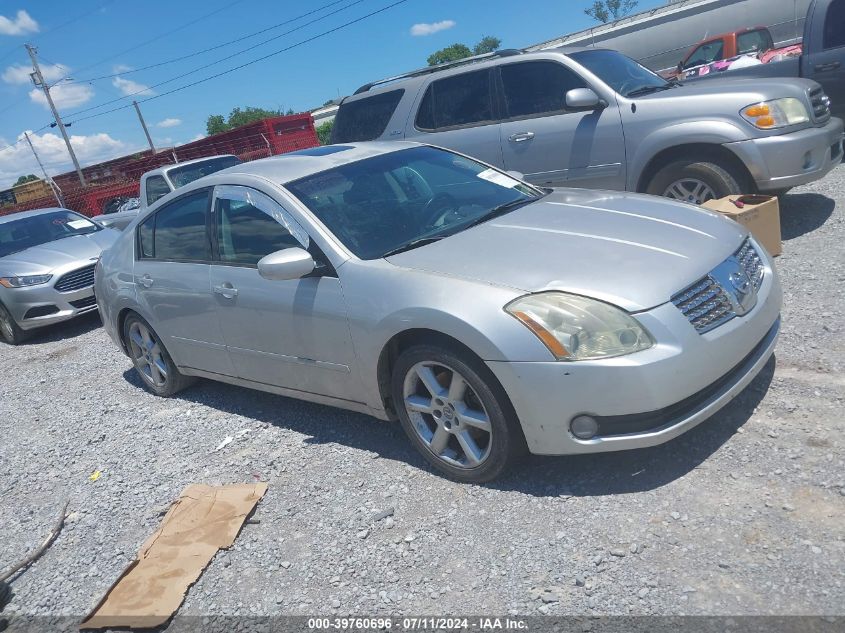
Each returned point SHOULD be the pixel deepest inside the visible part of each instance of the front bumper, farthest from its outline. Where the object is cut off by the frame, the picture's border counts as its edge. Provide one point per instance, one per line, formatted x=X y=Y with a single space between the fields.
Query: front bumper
x=681 y=381
x=792 y=159
x=38 y=306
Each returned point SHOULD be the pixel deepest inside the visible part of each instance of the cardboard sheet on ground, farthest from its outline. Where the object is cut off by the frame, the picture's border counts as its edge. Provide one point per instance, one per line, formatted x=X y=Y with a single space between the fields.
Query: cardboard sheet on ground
x=203 y=520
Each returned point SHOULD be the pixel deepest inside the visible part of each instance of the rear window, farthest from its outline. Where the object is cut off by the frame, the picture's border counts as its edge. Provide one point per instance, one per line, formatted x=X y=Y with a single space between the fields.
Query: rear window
x=456 y=101
x=365 y=119
x=754 y=42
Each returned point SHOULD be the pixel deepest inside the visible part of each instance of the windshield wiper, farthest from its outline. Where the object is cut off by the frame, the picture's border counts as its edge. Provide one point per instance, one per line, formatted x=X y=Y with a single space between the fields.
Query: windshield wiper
x=646 y=90
x=502 y=209
x=407 y=246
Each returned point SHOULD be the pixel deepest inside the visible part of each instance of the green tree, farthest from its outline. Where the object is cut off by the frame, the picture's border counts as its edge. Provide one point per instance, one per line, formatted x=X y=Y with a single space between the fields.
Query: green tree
x=324 y=132
x=610 y=10
x=449 y=54
x=216 y=123
x=488 y=44
x=24 y=179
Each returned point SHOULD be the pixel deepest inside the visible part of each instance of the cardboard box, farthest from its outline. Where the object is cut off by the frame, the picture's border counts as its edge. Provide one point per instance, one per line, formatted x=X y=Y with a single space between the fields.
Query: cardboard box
x=759 y=214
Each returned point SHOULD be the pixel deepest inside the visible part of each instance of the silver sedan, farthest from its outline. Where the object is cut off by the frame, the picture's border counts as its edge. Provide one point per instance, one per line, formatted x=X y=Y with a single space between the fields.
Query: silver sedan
x=406 y=281
x=47 y=260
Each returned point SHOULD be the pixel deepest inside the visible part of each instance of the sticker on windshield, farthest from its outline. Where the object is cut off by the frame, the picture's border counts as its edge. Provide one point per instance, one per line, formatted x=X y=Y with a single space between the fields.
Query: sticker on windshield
x=79 y=224
x=498 y=178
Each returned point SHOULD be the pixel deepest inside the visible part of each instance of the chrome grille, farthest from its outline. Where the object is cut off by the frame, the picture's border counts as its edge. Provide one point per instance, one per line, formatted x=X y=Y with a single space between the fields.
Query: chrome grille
x=820 y=103
x=749 y=259
x=705 y=304
x=76 y=279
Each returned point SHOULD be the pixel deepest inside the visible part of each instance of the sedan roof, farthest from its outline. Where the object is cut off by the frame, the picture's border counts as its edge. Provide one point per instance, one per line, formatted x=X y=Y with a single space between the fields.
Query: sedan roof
x=286 y=168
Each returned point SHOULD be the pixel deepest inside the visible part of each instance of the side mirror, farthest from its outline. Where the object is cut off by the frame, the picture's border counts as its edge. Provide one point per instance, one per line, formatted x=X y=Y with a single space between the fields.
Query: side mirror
x=515 y=174
x=584 y=99
x=289 y=263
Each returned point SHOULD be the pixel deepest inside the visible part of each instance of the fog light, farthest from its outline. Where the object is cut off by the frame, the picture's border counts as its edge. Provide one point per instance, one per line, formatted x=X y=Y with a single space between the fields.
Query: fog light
x=583 y=427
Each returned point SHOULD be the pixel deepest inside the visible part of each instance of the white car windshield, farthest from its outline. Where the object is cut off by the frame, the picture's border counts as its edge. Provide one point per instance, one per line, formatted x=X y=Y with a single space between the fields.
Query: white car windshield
x=35 y=230
x=393 y=202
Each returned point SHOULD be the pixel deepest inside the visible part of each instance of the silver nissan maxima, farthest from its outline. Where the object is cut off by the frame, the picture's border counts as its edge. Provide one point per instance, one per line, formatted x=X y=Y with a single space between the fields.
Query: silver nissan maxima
x=406 y=281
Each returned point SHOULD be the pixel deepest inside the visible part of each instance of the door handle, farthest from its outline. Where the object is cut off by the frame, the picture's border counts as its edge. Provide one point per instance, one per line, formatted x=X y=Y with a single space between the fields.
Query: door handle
x=146 y=281
x=827 y=66
x=226 y=291
x=520 y=137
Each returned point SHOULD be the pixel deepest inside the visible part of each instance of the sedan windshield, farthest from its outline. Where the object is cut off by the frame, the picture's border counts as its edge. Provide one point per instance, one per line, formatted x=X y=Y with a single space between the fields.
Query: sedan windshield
x=404 y=199
x=181 y=176
x=35 y=230
x=621 y=73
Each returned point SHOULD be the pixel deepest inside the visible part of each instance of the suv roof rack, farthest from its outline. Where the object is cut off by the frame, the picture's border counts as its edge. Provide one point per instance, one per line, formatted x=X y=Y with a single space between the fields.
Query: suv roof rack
x=508 y=52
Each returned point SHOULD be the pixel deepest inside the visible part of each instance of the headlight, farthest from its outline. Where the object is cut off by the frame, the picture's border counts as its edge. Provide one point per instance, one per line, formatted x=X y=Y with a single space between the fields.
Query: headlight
x=26 y=280
x=578 y=328
x=777 y=113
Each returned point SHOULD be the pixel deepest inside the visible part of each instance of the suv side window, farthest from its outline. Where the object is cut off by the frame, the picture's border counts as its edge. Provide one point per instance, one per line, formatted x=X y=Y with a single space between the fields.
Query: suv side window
x=464 y=99
x=156 y=188
x=365 y=119
x=177 y=231
x=537 y=88
x=834 y=33
x=706 y=53
x=250 y=225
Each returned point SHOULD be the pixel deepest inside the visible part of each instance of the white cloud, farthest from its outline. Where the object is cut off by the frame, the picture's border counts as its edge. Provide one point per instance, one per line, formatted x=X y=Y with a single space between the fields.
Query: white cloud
x=64 y=95
x=89 y=149
x=21 y=24
x=198 y=137
x=169 y=122
x=128 y=87
x=19 y=74
x=424 y=28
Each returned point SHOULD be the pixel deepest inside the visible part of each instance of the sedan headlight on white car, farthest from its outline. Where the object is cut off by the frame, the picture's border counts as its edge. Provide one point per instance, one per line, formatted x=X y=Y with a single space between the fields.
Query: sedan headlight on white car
x=776 y=113
x=25 y=280
x=578 y=328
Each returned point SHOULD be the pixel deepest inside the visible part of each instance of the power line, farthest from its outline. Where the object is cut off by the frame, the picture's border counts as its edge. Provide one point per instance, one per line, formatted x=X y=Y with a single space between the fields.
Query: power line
x=214 y=48
x=249 y=63
x=218 y=61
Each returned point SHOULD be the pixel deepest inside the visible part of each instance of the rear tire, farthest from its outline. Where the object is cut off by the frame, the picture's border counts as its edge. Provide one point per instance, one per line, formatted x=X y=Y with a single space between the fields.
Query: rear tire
x=694 y=182
x=455 y=413
x=10 y=331
x=151 y=359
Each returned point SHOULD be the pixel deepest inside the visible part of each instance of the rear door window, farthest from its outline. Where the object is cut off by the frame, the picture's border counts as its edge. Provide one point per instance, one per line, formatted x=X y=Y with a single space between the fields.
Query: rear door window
x=834 y=25
x=365 y=119
x=537 y=88
x=460 y=100
x=157 y=187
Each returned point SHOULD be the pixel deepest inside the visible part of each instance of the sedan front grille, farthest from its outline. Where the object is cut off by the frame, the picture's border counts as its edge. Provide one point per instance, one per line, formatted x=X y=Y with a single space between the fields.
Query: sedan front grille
x=820 y=103
x=76 y=279
x=706 y=303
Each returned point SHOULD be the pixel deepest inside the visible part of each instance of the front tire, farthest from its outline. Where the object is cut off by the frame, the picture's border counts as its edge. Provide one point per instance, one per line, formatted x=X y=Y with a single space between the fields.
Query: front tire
x=151 y=359
x=455 y=413
x=694 y=182
x=11 y=332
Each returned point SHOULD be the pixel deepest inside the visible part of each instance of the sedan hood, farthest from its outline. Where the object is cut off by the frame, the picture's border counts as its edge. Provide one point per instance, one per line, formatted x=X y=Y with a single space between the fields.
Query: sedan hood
x=78 y=249
x=631 y=250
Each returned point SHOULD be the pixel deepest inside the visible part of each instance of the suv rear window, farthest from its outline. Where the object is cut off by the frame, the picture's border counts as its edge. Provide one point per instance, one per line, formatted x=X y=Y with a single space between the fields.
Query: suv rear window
x=463 y=99
x=365 y=119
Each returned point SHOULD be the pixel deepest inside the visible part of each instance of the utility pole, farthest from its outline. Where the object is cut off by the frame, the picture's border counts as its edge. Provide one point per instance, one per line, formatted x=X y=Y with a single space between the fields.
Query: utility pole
x=47 y=178
x=38 y=80
x=144 y=125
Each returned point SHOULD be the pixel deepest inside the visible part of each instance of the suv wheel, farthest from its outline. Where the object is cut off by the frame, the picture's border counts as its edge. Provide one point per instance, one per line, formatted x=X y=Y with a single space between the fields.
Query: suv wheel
x=151 y=359
x=455 y=413
x=694 y=182
x=9 y=329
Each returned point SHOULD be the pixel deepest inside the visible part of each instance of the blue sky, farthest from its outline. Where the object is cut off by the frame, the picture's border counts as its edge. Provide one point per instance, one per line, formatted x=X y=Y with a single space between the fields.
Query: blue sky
x=91 y=38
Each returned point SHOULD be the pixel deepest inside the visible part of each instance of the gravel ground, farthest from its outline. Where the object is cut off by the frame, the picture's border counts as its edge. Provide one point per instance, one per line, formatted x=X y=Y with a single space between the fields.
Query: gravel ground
x=743 y=515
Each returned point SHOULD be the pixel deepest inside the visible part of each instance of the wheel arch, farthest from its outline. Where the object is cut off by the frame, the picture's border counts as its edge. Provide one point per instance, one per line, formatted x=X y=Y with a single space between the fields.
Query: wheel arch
x=702 y=152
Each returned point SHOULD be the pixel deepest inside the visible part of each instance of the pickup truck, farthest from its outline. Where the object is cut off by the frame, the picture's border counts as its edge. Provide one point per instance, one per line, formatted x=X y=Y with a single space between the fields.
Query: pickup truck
x=822 y=58
x=159 y=182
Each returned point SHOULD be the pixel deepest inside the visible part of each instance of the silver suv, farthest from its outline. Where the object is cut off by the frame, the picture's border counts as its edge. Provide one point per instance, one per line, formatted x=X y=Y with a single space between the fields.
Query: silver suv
x=588 y=117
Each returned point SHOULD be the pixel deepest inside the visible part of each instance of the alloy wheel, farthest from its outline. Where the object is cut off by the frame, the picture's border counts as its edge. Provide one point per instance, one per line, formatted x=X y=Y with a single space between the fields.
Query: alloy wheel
x=146 y=354
x=690 y=190
x=447 y=415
